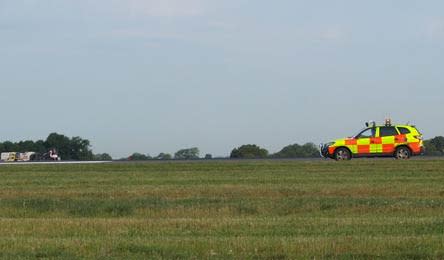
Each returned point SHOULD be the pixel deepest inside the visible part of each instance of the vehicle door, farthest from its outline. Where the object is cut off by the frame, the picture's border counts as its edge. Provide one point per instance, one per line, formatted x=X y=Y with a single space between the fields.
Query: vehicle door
x=388 y=135
x=364 y=140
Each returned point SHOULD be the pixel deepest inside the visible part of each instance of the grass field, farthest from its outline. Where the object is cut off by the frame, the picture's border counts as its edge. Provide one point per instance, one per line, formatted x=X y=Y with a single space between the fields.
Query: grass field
x=242 y=210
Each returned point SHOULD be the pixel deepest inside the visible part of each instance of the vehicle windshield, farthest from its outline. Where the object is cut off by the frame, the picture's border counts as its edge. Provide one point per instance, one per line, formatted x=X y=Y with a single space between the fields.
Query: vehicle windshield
x=366 y=133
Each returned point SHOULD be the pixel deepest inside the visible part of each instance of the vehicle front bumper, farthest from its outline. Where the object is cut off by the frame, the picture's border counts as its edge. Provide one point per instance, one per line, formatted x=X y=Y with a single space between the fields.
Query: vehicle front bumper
x=323 y=150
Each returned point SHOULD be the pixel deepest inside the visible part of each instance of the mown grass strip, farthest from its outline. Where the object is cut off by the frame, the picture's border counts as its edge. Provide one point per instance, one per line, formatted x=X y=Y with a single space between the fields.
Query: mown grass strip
x=222 y=210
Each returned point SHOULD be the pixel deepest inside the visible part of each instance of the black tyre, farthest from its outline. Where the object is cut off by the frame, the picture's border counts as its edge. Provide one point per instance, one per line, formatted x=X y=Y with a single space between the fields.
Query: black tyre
x=342 y=154
x=403 y=153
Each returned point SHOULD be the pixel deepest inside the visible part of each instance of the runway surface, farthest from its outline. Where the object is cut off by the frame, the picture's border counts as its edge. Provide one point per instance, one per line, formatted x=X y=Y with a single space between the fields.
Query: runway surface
x=62 y=162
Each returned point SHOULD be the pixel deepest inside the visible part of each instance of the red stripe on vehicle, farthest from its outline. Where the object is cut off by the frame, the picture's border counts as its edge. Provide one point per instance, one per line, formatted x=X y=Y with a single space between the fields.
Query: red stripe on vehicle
x=388 y=148
x=351 y=142
x=416 y=147
x=363 y=148
x=400 y=139
x=376 y=140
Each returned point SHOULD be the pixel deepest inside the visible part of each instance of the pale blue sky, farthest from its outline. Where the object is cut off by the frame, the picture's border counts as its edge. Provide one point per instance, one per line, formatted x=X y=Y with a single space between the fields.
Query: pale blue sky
x=159 y=75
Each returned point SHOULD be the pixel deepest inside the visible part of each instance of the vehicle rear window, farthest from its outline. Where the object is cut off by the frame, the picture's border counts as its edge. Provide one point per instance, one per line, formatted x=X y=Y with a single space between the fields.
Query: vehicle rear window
x=403 y=130
x=387 y=131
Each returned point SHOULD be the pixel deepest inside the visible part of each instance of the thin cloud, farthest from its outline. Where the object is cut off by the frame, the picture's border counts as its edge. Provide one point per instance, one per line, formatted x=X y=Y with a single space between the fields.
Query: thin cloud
x=332 y=33
x=435 y=28
x=162 y=8
x=159 y=8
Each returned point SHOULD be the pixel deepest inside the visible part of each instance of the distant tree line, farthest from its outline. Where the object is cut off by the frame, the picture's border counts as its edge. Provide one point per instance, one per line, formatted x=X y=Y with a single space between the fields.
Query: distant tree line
x=144 y=157
x=248 y=151
x=434 y=146
x=183 y=154
x=252 y=151
x=74 y=148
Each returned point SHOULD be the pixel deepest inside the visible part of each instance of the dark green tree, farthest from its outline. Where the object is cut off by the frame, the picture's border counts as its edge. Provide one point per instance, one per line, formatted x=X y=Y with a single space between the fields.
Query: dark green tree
x=40 y=147
x=138 y=157
x=438 y=142
x=10 y=147
x=249 y=151
x=308 y=150
x=80 y=149
x=187 y=154
x=62 y=144
x=102 y=157
x=26 y=146
x=434 y=146
x=163 y=156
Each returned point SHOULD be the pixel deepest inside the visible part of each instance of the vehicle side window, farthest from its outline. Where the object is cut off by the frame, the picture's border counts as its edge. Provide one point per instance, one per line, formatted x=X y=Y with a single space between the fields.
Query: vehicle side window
x=387 y=131
x=367 y=133
x=403 y=130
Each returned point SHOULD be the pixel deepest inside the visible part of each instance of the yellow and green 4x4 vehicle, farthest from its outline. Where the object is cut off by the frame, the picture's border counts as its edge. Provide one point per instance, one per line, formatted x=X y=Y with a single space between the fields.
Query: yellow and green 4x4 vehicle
x=399 y=141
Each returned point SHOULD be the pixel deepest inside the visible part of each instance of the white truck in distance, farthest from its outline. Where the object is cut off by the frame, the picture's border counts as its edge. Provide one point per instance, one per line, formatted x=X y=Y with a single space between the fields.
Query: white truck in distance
x=30 y=156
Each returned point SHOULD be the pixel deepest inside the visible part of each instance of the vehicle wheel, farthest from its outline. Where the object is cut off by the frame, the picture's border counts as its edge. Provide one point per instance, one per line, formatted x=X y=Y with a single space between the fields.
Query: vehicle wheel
x=342 y=154
x=402 y=153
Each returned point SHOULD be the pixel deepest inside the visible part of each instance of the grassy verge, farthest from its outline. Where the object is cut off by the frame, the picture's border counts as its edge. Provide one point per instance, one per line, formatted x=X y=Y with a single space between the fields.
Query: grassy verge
x=240 y=210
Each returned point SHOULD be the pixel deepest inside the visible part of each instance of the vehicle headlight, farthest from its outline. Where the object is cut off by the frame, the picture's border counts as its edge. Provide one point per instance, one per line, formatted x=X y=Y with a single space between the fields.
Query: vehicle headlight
x=326 y=145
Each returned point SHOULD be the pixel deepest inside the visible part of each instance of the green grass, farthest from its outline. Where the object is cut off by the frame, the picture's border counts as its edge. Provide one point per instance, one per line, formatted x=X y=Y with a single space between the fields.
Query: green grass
x=218 y=210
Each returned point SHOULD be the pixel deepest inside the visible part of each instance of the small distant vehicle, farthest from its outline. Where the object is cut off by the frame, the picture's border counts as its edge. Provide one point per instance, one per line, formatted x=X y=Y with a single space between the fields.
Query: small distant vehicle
x=51 y=155
x=399 y=141
x=18 y=157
